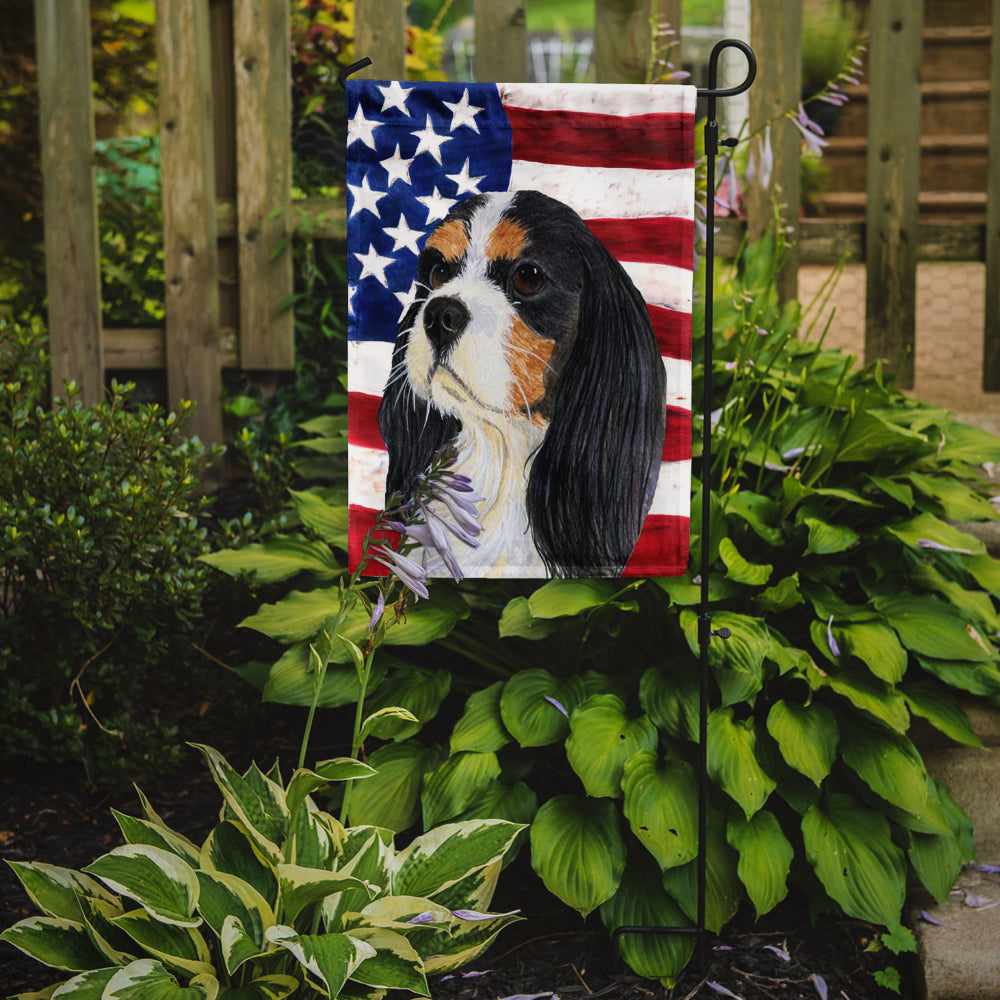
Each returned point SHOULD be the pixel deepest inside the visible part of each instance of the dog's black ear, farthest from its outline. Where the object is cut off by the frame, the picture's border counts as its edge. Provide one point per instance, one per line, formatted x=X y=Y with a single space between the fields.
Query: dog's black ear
x=593 y=478
x=412 y=429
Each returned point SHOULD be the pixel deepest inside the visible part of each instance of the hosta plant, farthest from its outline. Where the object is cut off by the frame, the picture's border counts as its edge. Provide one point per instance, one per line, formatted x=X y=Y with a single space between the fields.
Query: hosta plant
x=279 y=900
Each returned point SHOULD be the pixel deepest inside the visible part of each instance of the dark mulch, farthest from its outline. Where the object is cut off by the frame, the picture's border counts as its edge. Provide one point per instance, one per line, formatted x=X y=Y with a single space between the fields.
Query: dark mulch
x=551 y=951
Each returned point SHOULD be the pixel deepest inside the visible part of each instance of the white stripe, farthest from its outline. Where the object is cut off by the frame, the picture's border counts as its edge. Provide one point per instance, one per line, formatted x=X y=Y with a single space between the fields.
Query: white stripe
x=366 y=472
x=661 y=284
x=609 y=192
x=368 y=365
x=673 y=489
x=678 y=382
x=608 y=99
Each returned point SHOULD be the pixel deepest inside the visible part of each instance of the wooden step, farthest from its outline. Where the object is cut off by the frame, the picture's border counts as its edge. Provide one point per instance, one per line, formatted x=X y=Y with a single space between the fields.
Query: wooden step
x=957 y=206
x=956 y=53
x=940 y=13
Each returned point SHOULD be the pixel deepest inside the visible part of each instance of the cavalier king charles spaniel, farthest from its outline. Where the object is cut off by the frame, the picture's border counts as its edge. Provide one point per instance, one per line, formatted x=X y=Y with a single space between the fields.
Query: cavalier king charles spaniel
x=529 y=350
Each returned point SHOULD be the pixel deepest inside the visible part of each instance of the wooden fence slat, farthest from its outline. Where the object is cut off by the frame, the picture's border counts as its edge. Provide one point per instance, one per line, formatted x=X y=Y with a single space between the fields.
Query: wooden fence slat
x=190 y=252
x=262 y=61
x=776 y=36
x=72 y=255
x=991 y=332
x=892 y=215
x=380 y=34
x=501 y=41
x=621 y=40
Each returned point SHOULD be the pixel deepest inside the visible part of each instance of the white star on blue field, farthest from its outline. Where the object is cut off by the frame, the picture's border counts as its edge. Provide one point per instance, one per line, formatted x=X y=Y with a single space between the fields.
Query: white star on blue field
x=412 y=155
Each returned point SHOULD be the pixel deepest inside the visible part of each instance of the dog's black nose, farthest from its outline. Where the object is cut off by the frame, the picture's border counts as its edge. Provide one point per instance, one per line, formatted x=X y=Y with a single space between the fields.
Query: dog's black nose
x=444 y=320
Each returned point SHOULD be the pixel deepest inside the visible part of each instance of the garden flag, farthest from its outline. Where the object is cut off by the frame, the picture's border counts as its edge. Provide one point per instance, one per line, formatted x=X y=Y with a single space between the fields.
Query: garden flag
x=520 y=279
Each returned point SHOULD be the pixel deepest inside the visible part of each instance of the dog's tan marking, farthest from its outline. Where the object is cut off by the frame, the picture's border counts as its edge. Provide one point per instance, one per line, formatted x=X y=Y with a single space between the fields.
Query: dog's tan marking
x=506 y=241
x=528 y=356
x=450 y=240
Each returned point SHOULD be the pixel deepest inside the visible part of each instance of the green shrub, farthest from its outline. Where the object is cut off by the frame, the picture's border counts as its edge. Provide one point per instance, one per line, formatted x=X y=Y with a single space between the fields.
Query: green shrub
x=99 y=546
x=280 y=899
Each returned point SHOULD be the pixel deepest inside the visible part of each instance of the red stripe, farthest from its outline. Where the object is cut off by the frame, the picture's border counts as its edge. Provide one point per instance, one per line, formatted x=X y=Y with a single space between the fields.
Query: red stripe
x=677 y=440
x=645 y=142
x=362 y=420
x=673 y=332
x=361 y=520
x=662 y=548
x=652 y=239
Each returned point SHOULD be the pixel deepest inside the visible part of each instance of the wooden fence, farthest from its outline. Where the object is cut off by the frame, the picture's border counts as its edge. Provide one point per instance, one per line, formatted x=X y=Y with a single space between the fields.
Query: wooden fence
x=226 y=160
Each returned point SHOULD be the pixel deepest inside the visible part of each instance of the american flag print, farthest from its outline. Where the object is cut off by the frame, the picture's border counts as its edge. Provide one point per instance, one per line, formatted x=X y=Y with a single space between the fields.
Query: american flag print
x=621 y=156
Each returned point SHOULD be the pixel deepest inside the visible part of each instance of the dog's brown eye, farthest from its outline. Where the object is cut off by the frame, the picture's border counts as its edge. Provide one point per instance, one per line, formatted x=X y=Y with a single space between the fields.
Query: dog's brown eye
x=441 y=272
x=528 y=279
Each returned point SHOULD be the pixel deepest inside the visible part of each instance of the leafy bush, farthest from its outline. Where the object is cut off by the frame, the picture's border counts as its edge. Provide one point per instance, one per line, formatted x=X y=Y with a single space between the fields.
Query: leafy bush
x=279 y=899
x=99 y=539
x=854 y=602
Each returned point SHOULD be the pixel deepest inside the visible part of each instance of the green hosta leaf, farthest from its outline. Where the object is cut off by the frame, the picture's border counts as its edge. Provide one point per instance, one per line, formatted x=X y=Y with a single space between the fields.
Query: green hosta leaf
x=850 y=848
x=602 y=738
x=893 y=488
x=262 y=812
x=327 y=520
x=723 y=889
x=752 y=574
x=937 y=859
x=440 y=858
x=870 y=435
x=807 y=736
x=827 y=539
x=159 y=881
x=684 y=593
x=395 y=964
x=141 y=831
x=516 y=803
x=528 y=710
x=957 y=501
x=517 y=620
x=230 y=849
x=54 y=941
x=180 y=948
x=56 y=891
x=418 y=691
x=738 y=661
x=578 y=851
x=976 y=678
x=765 y=858
x=732 y=760
x=292 y=680
x=932 y=628
x=274 y=987
x=391 y=798
x=279 y=558
x=481 y=728
x=225 y=897
x=986 y=571
x=386 y=723
x=876 y=646
x=928 y=528
x=864 y=692
x=330 y=959
x=888 y=763
x=671 y=699
x=304 y=782
x=760 y=512
x=661 y=798
x=301 y=887
x=976 y=605
x=558 y=598
x=456 y=784
x=965 y=443
x=147 y=979
x=641 y=901
x=941 y=709
x=783 y=595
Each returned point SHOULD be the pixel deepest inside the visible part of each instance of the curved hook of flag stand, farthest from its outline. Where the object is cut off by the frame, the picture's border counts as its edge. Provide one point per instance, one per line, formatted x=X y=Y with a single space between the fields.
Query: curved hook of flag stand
x=705 y=631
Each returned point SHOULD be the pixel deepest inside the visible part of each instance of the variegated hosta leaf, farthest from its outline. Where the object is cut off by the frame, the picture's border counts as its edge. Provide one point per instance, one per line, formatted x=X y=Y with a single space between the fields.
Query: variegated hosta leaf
x=230 y=849
x=141 y=831
x=367 y=853
x=315 y=839
x=329 y=959
x=807 y=736
x=732 y=760
x=300 y=887
x=441 y=857
x=225 y=897
x=149 y=980
x=116 y=946
x=395 y=964
x=467 y=940
x=238 y=944
x=54 y=941
x=578 y=851
x=481 y=727
x=475 y=891
x=642 y=902
x=661 y=799
x=56 y=891
x=765 y=858
x=304 y=782
x=850 y=847
x=602 y=737
x=87 y=986
x=158 y=880
x=275 y=987
x=177 y=947
x=456 y=784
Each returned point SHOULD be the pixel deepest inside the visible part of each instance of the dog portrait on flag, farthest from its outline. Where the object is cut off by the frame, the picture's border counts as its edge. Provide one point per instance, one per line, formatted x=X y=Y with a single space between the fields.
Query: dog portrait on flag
x=520 y=267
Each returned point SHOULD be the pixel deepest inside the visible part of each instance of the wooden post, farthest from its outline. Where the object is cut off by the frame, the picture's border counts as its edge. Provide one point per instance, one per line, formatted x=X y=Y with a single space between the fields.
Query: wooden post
x=72 y=255
x=262 y=60
x=776 y=34
x=190 y=253
x=893 y=183
x=501 y=41
x=380 y=34
x=622 y=40
x=991 y=333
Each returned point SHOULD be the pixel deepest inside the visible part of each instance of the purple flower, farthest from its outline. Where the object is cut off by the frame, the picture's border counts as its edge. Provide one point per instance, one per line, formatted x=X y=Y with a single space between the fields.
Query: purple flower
x=834 y=648
x=377 y=612
x=475 y=915
x=927 y=543
x=761 y=164
x=811 y=132
x=558 y=705
x=780 y=952
x=719 y=988
x=427 y=917
x=820 y=983
x=410 y=573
